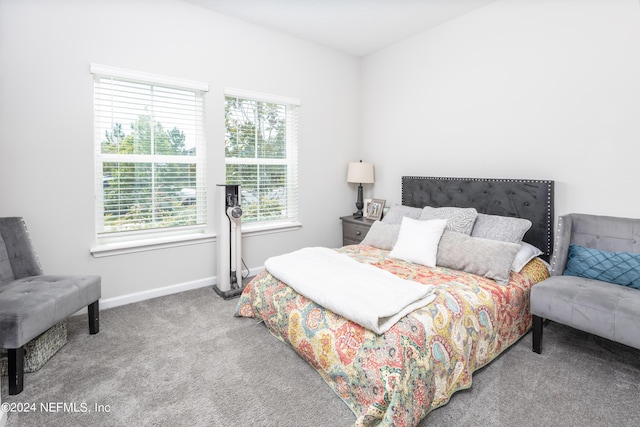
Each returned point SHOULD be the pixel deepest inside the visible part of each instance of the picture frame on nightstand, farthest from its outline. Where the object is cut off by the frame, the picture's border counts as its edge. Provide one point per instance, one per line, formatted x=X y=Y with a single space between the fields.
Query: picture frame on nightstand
x=365 y=210
x=374 y=210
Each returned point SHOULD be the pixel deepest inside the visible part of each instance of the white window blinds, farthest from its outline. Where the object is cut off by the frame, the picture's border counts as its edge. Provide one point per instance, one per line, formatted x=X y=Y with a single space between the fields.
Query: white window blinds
x=149 y=145
x=261 y=144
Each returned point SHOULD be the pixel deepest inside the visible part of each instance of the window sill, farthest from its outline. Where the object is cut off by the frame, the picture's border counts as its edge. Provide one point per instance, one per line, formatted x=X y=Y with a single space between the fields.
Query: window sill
x=249 y=230
x=121 y=248
x=142 y=245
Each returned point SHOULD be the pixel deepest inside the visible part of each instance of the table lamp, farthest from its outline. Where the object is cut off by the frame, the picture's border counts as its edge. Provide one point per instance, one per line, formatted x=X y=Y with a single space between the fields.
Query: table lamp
x=360 y=173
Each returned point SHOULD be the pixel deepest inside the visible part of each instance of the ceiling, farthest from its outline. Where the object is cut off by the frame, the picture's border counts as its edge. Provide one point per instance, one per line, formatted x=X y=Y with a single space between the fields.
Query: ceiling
x=356 y=27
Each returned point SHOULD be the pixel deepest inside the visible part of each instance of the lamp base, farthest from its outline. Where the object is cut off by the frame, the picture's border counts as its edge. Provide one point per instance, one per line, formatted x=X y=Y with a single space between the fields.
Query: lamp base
x=359 y=203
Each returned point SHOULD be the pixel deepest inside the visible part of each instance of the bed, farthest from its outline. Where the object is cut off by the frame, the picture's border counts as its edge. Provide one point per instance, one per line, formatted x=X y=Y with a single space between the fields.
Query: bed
x=397 y=377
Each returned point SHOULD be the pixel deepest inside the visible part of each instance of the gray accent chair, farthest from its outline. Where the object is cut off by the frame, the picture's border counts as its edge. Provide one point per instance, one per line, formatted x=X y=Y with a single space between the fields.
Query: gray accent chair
x=605 y=309
x=30 y=302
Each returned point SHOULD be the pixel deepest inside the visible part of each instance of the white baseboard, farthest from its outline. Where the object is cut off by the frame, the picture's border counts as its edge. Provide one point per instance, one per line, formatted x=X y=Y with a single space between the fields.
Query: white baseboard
x=160 y=292
x=155 y=293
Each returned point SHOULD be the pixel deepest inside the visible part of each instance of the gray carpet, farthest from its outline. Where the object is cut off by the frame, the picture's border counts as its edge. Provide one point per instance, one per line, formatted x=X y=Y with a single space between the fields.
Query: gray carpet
x=184 y=360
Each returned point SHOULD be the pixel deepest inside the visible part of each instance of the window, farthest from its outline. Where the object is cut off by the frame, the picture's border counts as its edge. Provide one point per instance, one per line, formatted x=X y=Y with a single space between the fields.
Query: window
x=149 y=155
x=261 y=155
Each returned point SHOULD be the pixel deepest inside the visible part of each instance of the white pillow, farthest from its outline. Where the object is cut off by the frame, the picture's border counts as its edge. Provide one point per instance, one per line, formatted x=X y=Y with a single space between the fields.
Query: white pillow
x=526 y=253
x=418 y=241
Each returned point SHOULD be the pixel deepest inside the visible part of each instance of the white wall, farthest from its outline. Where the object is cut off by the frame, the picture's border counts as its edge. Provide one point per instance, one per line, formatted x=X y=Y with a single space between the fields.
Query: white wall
x=541 y=89
x=46 y=123
x=518 y=89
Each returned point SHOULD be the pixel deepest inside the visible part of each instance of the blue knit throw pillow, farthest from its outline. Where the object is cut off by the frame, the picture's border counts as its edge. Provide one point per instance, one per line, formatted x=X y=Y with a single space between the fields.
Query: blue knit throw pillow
x=622 y=268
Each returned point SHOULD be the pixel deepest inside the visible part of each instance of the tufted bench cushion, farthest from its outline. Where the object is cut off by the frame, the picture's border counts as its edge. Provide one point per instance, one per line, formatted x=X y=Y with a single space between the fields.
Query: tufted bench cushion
x=32 y=304
x=604 y=309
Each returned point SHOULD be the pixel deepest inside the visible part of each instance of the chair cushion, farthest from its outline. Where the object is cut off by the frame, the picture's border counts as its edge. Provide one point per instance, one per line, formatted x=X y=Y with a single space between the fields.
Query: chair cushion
x=31 y=305
x=601 y=308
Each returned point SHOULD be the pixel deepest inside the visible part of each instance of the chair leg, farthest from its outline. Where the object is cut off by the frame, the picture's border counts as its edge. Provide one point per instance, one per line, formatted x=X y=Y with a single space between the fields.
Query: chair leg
x=94 y=317
x=15 y=367
x=537 y=334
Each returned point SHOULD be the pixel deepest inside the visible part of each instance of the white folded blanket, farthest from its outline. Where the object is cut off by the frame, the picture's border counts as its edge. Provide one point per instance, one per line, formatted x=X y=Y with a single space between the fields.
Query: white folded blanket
x=367 y=295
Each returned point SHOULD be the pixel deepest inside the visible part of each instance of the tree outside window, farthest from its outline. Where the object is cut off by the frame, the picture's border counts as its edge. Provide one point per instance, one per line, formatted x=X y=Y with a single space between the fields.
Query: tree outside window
x=260 y=147
x=149 y=153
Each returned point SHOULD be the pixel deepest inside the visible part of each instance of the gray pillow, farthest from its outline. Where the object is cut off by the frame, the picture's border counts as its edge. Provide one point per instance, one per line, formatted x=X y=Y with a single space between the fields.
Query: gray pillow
x=396 y=213
x=503 y=228
x=382 y=236
x=484 y=257
x=460 y=220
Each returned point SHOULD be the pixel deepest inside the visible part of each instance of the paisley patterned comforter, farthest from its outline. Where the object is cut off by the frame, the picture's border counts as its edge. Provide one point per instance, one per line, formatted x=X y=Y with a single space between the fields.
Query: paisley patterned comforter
x=396 y=378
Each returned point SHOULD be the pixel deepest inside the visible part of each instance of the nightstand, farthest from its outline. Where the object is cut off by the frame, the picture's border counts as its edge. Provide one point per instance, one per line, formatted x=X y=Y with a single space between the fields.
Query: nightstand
x=354 y=229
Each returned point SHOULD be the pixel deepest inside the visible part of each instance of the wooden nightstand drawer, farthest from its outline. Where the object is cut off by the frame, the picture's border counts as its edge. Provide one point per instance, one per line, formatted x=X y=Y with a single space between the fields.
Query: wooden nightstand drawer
x=354 y=230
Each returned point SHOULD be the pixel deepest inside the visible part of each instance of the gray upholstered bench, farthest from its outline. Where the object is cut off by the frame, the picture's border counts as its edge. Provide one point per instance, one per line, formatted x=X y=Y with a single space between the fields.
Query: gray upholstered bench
x=30 y=302
x=599 y=307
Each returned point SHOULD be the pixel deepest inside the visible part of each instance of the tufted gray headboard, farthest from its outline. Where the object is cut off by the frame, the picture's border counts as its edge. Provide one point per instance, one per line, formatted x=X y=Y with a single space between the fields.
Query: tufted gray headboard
x=522 y=198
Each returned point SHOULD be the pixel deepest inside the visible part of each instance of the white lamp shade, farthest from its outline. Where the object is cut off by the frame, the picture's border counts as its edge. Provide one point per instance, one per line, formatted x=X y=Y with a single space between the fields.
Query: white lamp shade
x=360 y=173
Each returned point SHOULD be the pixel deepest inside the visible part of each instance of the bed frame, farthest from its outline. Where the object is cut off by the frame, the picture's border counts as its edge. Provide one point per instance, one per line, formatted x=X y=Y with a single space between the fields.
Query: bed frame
x=522 y=198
